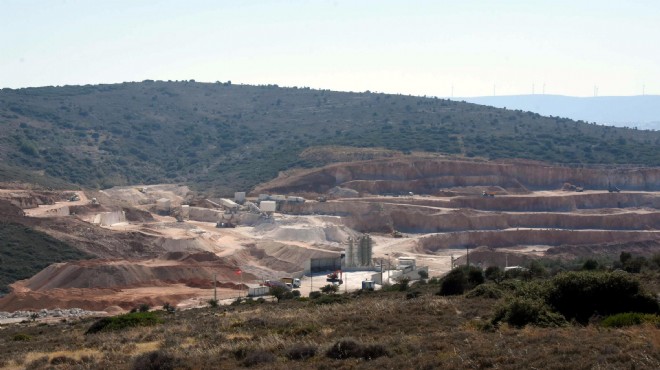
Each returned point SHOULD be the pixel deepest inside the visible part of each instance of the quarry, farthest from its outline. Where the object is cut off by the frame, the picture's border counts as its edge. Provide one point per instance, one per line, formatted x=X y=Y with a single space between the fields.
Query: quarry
x=373 y=221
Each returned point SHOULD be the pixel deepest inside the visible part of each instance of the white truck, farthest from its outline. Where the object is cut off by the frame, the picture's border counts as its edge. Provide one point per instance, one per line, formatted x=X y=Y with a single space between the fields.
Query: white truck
x=295 y=282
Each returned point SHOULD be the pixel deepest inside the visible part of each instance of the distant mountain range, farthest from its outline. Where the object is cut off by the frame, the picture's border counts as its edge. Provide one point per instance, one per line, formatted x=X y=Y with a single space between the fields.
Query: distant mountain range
x=642 y=111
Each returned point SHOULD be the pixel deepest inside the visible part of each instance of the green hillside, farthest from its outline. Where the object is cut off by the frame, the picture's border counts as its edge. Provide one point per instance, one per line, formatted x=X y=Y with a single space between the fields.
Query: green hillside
x=223 y=137
x=25 y=251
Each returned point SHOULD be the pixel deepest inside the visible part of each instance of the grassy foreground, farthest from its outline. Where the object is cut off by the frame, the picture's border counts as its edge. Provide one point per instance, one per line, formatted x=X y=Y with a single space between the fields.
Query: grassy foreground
x=393 y=329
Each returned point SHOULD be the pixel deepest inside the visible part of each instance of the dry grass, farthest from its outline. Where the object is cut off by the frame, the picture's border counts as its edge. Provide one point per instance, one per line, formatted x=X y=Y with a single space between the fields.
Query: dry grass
x=423 y=333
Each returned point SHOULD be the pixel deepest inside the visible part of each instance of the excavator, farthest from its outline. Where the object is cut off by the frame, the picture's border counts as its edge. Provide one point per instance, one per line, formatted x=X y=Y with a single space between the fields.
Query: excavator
x=335 y=277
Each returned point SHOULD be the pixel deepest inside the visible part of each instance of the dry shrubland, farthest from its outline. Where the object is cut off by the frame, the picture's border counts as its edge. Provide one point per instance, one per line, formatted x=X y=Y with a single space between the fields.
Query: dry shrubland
x=388 y=329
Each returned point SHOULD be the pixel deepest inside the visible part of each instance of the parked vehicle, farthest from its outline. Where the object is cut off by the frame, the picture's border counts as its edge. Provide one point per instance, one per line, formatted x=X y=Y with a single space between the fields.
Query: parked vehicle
x=295 y=282
x=275 y=283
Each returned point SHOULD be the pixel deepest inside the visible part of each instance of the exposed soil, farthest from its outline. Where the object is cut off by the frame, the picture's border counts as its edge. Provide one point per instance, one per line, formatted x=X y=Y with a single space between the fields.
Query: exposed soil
x=143 y=256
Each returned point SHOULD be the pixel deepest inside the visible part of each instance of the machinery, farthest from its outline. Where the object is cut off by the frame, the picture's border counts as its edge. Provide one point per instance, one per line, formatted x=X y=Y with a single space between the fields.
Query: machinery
x=295 y=282
x=335 y=277
x=397 y=234
x=488 y=194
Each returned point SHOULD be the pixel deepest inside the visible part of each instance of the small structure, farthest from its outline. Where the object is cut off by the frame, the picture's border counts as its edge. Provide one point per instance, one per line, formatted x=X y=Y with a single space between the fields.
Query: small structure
x=239 y=197
x=163 y=206
x=406 y=263
x=185 y=211
x=368 y=285
x=268 y=206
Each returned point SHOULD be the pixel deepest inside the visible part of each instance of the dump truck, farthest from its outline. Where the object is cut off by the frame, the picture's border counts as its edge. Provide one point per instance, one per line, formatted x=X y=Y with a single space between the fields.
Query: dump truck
x=295 y=282
x=275 y=283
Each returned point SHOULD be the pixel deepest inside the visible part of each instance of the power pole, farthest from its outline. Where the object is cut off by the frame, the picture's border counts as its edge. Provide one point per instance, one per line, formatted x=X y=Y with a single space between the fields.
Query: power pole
x=467 y=255
x=215 y=291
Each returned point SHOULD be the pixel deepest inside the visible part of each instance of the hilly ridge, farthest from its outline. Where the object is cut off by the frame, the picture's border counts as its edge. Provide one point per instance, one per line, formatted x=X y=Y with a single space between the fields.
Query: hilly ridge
x=226 y=137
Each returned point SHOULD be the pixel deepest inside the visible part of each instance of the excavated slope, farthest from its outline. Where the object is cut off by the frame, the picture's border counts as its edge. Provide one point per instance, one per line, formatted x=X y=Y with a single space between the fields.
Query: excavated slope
x=428 y=175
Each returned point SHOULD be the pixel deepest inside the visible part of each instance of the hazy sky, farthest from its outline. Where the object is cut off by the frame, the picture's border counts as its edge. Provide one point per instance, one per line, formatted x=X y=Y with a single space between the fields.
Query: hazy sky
x=410 y=47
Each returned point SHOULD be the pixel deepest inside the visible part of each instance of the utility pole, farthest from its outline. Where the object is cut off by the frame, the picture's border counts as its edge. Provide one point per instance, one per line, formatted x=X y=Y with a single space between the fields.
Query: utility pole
x=467 y=255
x=215 y=290
x=381 y=271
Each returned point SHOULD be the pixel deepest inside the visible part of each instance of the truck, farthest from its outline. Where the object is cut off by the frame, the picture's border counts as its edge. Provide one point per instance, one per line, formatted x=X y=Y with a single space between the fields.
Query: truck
x=275 y=283
x=295 y=282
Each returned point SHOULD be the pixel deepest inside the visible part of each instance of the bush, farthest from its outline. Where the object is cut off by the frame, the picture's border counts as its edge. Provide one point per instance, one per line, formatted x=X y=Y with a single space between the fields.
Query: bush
x=486 y=291
x=413 y=295
x=629 y=319
x=213 y=303
x=315 y=294
x=124 y=321
x=523 y=311
x=494 y=273
x=144 y=307
x=258 y=357
x=373 y=351
x=348 y=348
x=403 y=284
x=301 y=353
x=20 y=337
x=157 y=360
x=579 y=295
x=423 y=274
x=330 y=299
x=345 y=348
x=460 y=279
x=329 y=289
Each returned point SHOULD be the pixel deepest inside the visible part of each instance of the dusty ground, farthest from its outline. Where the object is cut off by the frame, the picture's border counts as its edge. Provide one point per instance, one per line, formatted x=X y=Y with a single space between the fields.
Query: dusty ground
x=151 y=258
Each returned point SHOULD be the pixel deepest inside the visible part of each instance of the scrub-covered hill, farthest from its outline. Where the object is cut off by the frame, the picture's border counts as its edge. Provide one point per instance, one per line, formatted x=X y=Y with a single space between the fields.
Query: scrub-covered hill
x=228 y=137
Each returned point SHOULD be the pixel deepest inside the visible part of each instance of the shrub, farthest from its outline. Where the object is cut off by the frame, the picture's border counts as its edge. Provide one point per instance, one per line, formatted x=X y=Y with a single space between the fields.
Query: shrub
x=157 y=360
x=494 y=273
x=329 y=289
x=349 y=348
x=629 y=319
x=403 y=284
x=523 y=311
x=296 y=293
x=258 y=357
x=345 y=348
x=579 y=295
x=301 y=353
x=213 y=303
x=412 y=295
x=124 y=321
x=279 y=292
x=20 y=337
x=486 y=291
x=590 y=265
x=373 y=351
x=144 y=307
x=460 y=279
x=315 y=294
x=63 y=360
x=329 y=299
x=423 y=274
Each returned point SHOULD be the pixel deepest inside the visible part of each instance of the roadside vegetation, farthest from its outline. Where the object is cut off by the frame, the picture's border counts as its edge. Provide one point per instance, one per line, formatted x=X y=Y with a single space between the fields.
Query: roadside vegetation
x=531 y=318
x=225 y=137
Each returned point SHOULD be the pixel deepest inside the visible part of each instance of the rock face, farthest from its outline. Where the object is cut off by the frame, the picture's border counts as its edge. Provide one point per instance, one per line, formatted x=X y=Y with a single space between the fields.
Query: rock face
x=429 y=175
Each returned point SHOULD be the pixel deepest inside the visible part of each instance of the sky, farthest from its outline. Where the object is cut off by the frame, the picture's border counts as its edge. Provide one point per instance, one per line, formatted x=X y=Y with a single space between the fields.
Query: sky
x=457 y=48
